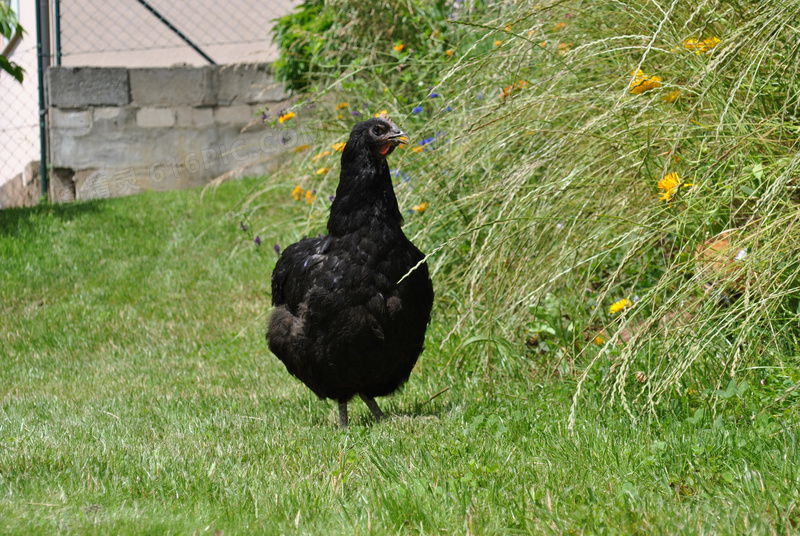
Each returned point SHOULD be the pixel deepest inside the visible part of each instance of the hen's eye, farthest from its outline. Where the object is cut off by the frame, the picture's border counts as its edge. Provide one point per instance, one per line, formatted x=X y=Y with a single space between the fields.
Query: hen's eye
x=376 y=130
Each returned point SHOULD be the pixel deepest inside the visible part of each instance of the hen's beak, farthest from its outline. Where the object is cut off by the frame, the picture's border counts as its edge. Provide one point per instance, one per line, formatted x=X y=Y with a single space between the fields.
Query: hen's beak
x=392 y=139
x=397 y=136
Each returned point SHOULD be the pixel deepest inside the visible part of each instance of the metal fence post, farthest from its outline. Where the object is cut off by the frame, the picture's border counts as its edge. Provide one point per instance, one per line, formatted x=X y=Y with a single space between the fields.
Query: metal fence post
x=57 y=29
x=43 y=60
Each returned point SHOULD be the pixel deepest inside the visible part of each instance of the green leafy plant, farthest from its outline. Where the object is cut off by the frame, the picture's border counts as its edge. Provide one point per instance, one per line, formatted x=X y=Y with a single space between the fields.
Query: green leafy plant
x=299 y=36
x=10 y=26
x=324 y=39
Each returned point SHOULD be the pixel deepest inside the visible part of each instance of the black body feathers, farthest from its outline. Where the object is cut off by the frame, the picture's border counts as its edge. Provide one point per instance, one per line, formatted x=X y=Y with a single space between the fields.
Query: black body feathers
x=344 y=323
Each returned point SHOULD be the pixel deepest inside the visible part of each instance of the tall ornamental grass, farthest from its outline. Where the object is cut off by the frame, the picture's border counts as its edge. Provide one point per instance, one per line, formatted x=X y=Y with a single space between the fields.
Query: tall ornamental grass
x=608 y=192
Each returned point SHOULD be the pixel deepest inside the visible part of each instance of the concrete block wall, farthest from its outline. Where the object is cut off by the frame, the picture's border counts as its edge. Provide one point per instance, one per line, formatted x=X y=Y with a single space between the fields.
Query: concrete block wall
x=118 y=131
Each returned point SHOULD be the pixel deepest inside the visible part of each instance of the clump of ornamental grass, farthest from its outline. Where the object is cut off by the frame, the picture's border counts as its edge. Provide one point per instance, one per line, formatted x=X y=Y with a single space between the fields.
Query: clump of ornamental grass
x=610 y=195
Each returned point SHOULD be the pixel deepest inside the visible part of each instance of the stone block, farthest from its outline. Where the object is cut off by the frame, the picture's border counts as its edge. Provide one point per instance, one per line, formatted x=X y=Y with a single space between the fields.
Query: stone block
x=23 y=190
x=92 y=184
x=189 y=116
x=239 y=114
x=155 y=117
x=79 y=87
x=172 y=86
x=107 y=113
x=61 y=187
x=78 y=121
x=248 y=83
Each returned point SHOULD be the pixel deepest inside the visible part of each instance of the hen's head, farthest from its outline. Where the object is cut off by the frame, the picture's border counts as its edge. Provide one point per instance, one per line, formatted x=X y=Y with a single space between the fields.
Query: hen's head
x=379 y=135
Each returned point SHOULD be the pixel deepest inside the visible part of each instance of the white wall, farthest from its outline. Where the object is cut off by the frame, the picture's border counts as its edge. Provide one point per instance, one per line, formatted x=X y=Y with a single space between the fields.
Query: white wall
x=19 y=104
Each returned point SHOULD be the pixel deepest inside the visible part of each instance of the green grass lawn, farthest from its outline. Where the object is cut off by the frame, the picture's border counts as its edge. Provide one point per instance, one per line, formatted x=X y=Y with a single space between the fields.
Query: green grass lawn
x=139 y=397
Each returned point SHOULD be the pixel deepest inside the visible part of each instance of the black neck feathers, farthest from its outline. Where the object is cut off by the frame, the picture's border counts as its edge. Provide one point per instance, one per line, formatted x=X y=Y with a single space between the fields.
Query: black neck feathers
x=365 y=195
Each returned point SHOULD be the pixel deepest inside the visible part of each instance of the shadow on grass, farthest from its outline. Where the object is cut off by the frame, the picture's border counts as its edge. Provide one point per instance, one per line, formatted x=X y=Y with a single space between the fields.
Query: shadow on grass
x=413 y=412
x=18 y=220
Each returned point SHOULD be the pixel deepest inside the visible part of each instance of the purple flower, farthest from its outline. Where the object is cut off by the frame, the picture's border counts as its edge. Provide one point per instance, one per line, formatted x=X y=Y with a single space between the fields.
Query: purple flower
x=480 y=95
x=258 y=240
x=243 y=226
x=434 y=95
x=448 y=109
x=310 y=105
x=416 y=109
x=355 y=113
x=426 y=141
x=277 y=249
x=331 y=198
x=264 y=116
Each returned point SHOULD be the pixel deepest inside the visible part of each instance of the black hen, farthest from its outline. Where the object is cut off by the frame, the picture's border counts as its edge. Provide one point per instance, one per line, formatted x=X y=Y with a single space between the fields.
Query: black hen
x=352 y=307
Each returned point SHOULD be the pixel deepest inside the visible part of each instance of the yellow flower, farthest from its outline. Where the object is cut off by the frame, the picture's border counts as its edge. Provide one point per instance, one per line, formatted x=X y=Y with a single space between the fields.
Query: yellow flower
x=302 y=148
x=669 y=186
x=449 y=52
x=323 y=154
x=621 y=305
x=338 y=147
x=642 y=83
x=323 y=170
x=672 y=96
x=342 y=105
x=399 y=47
x=418 y=149
x=497 y=43
x=382 y=112
x=297 y=193
x=690 y=44
x=701 y=46
x=422 y=207
x=543 y=44
x=560 y=26
x=599 y=340
x=310 y=196
x=563 y=48
x=507 y=29
x=710 y=42
x=285 y=117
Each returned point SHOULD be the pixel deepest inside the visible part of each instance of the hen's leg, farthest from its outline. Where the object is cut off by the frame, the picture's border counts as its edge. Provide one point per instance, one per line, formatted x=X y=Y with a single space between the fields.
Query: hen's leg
x=373 y=407
x=343 y=415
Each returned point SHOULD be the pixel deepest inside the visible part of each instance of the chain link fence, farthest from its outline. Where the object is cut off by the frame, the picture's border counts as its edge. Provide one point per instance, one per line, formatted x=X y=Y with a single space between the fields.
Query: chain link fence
x=122 y=33
x=19 y=126
x=160 y=33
